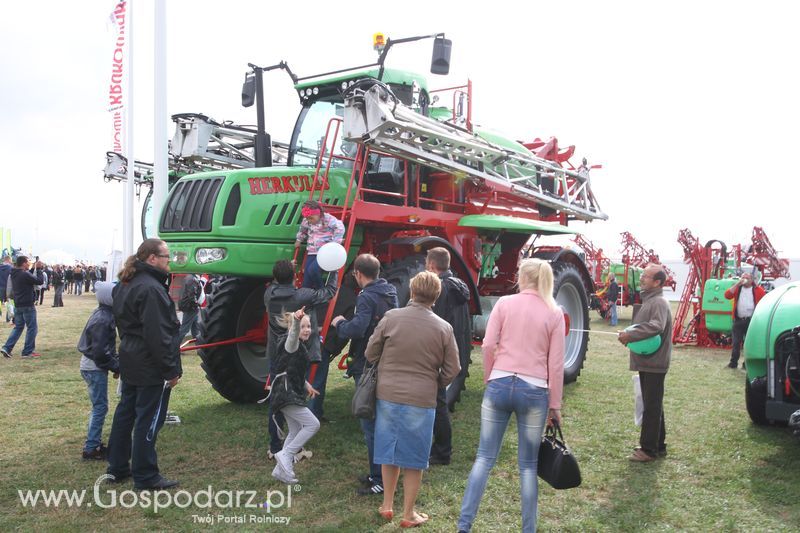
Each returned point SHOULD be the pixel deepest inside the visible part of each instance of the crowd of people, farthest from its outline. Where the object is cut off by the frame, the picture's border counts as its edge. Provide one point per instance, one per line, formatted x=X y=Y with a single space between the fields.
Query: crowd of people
x=23 y=285
x=418 y=349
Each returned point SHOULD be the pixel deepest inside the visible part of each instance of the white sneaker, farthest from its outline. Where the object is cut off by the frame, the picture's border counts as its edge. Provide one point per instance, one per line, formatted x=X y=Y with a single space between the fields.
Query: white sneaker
x=286 y=466
x=281 y=476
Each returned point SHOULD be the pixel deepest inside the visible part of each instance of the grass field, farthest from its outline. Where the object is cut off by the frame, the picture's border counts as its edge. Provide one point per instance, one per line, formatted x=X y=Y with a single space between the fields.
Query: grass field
x=722 y=473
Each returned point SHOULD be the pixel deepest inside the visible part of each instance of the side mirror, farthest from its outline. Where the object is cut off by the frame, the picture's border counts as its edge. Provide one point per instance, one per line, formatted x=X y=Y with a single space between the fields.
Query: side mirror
x=249 y=90
x=440 y=62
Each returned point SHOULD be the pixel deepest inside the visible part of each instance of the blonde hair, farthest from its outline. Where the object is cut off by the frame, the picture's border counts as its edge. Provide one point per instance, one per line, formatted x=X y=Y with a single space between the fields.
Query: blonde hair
x=425 y=288
x=536 y=274
x=285 y=320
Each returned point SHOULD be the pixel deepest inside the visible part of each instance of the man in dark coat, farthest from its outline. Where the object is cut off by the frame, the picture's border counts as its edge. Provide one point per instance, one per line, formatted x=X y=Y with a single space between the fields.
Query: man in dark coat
x=149 y=362
x=189 y=305
x=282 y=297
x=23 y=283
x=377 y=296
x=453 y=307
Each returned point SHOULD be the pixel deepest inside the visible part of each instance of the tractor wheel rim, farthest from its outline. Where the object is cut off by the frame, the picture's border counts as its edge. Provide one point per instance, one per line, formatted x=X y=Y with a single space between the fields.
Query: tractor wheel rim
x=569 y=299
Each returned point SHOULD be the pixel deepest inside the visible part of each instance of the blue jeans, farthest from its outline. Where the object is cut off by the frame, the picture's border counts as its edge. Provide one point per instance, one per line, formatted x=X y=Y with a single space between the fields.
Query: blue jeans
x=24 y=317
x=190 y=321
x=368 y=428
x=312 y=274
x=97 y=381
x=320 y=382
x=502 y=397
x=613 y=311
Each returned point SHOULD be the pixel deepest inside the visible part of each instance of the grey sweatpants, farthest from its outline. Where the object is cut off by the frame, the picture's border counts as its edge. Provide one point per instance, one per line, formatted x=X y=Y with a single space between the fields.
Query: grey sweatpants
x=302 y=426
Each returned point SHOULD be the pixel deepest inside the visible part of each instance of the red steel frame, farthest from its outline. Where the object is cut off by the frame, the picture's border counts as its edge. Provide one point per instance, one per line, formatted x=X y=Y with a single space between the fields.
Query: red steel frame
x=708 y=262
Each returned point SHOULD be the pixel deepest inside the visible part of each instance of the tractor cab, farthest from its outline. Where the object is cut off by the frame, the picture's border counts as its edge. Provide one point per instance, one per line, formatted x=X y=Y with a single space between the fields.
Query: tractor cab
x=318 y=131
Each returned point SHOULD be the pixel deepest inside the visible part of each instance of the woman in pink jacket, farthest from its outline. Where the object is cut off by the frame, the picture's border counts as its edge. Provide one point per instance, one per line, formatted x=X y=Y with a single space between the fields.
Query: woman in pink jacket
x=523 y=365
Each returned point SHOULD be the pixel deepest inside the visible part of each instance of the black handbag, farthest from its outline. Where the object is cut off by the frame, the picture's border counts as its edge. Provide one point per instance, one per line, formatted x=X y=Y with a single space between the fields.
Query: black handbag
x=557 y=465
x=363 y=405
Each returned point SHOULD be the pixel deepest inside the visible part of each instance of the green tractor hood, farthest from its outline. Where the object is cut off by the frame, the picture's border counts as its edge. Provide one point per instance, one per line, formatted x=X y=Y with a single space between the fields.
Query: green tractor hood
x=776 y=313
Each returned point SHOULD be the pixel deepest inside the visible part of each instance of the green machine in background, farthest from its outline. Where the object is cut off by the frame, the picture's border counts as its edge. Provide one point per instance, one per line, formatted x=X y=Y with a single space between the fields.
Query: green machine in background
x=772 y=357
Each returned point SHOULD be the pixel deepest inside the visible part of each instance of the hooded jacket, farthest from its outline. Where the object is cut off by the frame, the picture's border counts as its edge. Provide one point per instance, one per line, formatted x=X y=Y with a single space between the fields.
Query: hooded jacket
x=23 y=283
x=371 y=304
x=98 y=341
x=653 y=318
x=284 y=298
x=148 y=327
x=453 y=306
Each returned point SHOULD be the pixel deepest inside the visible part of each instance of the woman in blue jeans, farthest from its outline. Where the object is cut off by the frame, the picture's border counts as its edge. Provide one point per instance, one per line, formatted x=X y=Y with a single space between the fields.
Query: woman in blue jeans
x=523 y=365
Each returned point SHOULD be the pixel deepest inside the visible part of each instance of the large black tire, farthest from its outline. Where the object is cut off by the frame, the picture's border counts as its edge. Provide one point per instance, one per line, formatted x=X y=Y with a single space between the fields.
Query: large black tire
x=755 y=398
x=399 y=274
x=237 y=371
x=570 y=293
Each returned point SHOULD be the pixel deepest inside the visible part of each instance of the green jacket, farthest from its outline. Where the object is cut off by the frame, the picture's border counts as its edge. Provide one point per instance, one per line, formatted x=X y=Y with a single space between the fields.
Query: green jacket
x=653 y=318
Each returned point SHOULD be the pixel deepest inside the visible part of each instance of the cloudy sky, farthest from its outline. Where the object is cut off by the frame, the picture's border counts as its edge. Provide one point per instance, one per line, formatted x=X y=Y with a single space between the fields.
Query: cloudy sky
x=691 y=107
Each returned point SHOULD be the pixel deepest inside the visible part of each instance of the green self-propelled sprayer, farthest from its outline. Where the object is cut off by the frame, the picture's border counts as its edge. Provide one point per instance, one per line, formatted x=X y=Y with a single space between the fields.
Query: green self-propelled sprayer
x=404 y=174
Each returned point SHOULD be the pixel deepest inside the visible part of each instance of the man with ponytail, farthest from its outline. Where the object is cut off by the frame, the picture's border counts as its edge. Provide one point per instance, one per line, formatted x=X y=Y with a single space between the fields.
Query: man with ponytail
x=149 y=363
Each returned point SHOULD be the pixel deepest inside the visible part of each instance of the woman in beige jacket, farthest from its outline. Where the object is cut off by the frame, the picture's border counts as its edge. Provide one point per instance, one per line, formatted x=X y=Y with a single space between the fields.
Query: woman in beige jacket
x=418 y=354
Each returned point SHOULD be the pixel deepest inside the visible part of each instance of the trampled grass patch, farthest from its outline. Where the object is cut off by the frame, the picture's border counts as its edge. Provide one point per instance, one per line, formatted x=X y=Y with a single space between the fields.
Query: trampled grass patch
x=722 y=472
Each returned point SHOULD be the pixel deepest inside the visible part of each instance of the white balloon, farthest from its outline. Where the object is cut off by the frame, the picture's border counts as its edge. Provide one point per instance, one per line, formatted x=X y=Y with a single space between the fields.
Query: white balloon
x=331 y=256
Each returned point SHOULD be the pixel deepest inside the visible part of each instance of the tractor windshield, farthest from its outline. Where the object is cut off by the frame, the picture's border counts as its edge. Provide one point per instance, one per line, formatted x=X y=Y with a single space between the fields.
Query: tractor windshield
x=314 y=122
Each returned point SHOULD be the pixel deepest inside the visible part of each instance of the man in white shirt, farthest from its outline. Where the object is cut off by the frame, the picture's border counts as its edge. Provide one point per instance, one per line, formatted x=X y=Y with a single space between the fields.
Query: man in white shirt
x=745 y=295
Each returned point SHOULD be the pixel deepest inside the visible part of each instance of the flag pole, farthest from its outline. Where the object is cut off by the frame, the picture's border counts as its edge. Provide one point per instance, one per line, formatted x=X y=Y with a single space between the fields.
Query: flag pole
x=160 y=178
x=127 y=208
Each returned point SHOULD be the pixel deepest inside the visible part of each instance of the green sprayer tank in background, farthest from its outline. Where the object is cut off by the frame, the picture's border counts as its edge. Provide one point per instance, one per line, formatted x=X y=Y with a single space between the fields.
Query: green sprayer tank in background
x=634 y=273
x=718 y=309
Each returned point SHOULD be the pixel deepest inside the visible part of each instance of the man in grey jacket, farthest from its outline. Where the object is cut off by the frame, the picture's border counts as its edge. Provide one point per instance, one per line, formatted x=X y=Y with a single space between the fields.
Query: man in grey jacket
x=653 y=318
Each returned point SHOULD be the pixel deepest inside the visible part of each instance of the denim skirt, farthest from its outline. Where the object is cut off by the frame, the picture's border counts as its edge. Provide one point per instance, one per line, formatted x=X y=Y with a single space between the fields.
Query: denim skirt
x=403 y=434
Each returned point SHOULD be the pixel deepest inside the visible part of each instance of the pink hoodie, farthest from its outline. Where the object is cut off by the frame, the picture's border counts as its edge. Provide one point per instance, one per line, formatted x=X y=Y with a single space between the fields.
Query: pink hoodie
x=522 y=336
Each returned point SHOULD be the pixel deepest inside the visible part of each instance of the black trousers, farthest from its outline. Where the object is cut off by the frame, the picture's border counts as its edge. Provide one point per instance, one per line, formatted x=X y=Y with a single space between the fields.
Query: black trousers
x=135 y=413
x=654 y=430
x=740 y=326
x=442 y=447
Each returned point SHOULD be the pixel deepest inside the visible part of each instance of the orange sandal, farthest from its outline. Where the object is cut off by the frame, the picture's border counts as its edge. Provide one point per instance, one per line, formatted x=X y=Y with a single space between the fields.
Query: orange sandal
x=387 y=514
x=421 y=519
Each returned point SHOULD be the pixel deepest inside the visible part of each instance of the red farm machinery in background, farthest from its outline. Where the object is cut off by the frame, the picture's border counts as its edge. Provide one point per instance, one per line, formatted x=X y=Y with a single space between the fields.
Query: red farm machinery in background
x=713 y=269
x=627 y=270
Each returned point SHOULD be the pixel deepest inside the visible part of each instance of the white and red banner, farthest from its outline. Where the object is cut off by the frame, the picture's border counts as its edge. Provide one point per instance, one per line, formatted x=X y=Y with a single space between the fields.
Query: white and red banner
x=115 y=88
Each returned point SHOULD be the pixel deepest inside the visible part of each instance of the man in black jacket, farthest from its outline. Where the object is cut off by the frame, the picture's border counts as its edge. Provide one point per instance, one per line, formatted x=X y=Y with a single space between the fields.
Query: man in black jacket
x=23 y=283
x=189 y=305
x=149 y=362
x=453 y=307
x=282 y=297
